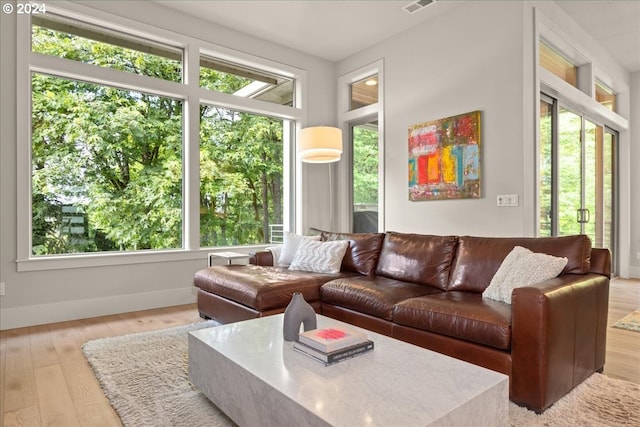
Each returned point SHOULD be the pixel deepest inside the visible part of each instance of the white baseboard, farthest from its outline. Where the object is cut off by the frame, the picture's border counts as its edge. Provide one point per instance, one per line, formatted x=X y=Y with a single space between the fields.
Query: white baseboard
x=634 y=272
x=31 y=315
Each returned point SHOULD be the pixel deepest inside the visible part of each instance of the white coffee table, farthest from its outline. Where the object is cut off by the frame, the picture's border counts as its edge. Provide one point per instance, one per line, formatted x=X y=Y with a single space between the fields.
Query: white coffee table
x=227 y=255
x=257 y=379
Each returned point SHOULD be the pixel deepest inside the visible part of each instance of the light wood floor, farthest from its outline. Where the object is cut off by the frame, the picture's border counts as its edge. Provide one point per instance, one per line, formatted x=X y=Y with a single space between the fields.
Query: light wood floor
x=46 y=381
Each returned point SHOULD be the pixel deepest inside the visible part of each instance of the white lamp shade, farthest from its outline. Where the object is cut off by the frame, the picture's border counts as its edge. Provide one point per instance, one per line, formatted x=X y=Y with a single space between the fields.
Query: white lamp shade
x=320 y=144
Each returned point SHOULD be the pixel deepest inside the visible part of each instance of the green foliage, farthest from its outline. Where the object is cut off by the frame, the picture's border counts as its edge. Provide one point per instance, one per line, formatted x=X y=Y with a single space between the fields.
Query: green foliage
x=571 y=174
x=365 y=166
x=240 y=176
x=107 y=163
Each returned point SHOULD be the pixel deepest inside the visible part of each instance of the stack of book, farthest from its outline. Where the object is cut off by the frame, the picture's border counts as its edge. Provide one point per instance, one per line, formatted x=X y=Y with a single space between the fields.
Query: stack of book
x=331 y=345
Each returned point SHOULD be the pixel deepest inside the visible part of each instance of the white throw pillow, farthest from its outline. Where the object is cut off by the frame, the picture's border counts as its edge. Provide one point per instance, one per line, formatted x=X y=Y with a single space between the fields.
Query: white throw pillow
x=290 y=243
x=275 y=254
x=522 y=267
x=319 y=257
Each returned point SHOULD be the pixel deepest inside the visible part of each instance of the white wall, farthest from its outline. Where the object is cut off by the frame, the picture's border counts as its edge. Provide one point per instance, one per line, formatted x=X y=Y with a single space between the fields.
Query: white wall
x=480 y=56
x=634 y=187
x=37 y=297
x=469 y=58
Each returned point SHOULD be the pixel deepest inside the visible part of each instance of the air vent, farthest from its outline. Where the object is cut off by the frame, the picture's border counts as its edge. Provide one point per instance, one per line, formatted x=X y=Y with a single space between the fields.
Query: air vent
x=415 y=6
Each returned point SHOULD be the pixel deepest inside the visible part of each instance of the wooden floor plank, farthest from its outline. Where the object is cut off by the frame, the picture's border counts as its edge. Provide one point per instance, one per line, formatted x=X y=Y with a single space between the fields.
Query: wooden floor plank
x=26 y=417
x=623 y=346
x=3 y=358
x=43 y=352
x=56 y=404
x=20 y=396
x=90 y=406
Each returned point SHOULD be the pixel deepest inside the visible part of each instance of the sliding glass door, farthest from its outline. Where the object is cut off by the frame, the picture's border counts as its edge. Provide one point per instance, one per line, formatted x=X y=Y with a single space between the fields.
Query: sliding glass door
x=577 y=159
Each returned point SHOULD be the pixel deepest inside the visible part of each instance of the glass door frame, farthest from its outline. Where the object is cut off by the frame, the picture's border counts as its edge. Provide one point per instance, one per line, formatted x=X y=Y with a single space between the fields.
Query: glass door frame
x=556 y=104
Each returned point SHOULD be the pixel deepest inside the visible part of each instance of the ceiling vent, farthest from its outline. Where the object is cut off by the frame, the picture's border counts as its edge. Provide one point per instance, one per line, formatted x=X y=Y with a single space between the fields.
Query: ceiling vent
x=415 y=6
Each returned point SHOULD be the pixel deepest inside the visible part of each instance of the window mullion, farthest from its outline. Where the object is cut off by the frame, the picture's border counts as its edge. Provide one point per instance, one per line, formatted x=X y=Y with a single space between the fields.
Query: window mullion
x=23 y=134
x=74 y=70
x=191 y=144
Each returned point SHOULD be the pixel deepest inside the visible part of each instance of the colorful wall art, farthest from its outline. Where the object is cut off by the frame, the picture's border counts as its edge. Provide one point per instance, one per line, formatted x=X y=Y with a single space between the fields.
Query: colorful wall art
x=444 y=158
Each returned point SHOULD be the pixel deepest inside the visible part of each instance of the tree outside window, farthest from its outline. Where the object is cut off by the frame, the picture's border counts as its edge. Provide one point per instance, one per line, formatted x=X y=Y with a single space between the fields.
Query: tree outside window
x=107 y=162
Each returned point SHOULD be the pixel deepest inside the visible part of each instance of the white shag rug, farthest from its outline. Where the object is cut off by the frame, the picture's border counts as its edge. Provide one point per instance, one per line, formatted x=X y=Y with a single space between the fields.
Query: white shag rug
x=145 y=377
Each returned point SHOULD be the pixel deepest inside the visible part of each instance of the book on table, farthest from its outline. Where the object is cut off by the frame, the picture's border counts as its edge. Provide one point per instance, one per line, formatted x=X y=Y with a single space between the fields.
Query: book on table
x=330 y=339
x=334 y=356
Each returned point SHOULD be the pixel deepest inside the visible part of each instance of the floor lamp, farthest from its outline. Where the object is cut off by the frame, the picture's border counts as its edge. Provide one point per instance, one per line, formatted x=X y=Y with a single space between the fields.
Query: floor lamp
x=321 y=144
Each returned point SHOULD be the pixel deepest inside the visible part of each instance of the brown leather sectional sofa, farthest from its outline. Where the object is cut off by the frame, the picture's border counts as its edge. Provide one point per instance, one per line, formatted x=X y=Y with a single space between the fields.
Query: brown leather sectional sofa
x=427 y=290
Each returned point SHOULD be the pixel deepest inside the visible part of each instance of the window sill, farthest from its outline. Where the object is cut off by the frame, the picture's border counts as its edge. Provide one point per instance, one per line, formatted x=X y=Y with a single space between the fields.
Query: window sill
x=61 y=262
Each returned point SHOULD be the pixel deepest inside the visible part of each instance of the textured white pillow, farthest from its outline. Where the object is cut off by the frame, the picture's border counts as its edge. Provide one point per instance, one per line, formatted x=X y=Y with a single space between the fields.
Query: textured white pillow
x=319 y=257
x=290 y=243
x=522 y=268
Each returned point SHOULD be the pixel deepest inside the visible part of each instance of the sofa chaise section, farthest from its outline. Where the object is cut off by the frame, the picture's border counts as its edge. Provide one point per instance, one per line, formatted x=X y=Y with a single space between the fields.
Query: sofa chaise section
x=232 y=293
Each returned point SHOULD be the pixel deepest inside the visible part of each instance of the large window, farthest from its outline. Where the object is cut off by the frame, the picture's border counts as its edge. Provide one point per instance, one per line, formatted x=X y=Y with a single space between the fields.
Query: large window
x=106 y=168
x=361 y=103
x=366 y=179
x=577 y=142
x=110 y=141
x=241 y=170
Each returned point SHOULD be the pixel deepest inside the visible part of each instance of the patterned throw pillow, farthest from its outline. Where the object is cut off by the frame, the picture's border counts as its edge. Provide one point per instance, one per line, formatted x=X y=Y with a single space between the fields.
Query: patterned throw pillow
x=290 y=244
x=319 y=257
x=522 y=267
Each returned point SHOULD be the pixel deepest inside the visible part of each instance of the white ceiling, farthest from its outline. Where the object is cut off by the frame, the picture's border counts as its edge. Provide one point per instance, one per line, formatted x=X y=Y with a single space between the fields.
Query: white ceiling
x=336 y=29
x=615 y=25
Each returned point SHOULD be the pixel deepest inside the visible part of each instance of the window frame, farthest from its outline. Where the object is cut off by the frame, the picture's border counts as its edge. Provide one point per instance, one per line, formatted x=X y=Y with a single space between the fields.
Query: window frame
x=187 y=91
x=592 y=67
x=349 y=118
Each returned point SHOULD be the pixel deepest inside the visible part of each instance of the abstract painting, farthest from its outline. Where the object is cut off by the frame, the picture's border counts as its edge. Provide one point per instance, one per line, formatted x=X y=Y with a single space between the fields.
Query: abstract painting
x=444 y=158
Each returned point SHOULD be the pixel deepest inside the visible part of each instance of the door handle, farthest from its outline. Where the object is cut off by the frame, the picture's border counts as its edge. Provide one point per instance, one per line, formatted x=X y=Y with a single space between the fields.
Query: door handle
x=583 y=216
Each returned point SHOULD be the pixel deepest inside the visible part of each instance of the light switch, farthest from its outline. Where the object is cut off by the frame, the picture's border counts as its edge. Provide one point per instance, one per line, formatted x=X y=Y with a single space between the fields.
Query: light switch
x=509 y=200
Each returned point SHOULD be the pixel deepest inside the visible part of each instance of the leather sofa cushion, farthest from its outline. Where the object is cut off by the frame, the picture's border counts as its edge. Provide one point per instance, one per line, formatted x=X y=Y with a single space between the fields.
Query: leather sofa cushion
x=372 y=295
x=417 y=258
x=362 y=253
x=479 y=258
x=462 y=315
x=261 y=288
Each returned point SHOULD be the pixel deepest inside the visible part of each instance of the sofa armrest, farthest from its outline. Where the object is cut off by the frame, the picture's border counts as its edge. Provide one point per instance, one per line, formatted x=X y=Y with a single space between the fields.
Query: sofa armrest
x=601 y=261
x=264 y=258
x=559 y=331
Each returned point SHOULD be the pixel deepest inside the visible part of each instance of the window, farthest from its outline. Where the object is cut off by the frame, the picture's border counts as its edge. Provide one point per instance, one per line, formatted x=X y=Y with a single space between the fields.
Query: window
x=365 y=177
x=110 y=169
x=234 y=79
x=82 y=42
x=364 y=92
x=106 y=168
x=577 y=175
x=545 y=160
x=605 y=96
x=362 y=105
x=578 y=140
x=558 y=64
x=106 y=161
x=241 y=177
